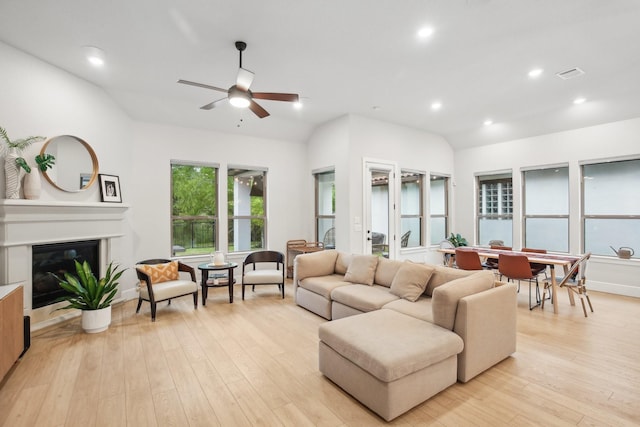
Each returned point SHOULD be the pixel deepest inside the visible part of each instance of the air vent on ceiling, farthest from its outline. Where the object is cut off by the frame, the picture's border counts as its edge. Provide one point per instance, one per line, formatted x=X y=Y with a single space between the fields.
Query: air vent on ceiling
x=570 y=74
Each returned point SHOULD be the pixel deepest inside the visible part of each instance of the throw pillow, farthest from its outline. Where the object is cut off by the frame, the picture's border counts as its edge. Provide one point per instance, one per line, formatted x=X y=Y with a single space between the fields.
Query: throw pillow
x=159 y=273
x=411 y=280
x=362 y=269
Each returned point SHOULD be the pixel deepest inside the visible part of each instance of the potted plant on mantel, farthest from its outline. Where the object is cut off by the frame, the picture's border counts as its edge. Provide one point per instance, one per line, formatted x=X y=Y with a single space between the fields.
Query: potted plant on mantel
x=90 y=295
x=14 y=164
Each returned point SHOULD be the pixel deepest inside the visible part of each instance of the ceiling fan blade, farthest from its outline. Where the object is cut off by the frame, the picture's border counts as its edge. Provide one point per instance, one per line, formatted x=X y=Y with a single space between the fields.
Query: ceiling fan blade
x=244 y=79
x=258 y=110
x=289 y=97
x=212 y=105
x=202 y=85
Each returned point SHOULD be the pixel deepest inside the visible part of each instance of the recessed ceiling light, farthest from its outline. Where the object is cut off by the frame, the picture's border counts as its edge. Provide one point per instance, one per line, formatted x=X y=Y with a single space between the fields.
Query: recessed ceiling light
x=425 y=32
x=436 y=106
x=297 y=105
x=94 y=55
x=579 y=100
x=536 y=72
x=376 y=108
x=488 y=122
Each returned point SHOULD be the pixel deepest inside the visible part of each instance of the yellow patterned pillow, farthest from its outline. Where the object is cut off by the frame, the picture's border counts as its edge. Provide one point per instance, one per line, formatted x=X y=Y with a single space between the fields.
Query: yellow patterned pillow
x=159 y=273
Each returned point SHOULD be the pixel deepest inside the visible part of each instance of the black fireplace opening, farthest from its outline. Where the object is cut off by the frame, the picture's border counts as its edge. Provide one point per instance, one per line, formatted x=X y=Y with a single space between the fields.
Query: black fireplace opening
x=58 y=258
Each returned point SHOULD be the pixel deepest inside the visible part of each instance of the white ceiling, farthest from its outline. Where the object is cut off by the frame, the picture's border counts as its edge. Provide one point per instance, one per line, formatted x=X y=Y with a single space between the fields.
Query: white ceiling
x=347 y=56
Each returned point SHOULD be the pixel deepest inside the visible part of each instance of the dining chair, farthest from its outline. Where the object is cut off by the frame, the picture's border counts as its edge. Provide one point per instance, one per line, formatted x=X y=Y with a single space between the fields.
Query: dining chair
x=575 y=282
x=537 y=267
x=467 y=259
x=516 y=267
x=492 y=263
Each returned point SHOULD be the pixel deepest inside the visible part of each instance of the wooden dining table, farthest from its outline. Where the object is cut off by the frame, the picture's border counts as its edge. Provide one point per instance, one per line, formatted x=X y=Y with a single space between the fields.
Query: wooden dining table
x=552 y=260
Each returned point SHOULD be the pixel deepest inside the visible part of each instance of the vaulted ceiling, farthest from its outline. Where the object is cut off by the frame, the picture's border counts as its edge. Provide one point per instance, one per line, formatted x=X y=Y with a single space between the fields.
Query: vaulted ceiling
x=351 y=56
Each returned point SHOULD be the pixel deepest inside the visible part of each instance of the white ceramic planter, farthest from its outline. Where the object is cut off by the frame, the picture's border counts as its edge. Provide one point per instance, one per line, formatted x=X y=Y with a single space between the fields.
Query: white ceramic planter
x=32 y=185
x=94 y=321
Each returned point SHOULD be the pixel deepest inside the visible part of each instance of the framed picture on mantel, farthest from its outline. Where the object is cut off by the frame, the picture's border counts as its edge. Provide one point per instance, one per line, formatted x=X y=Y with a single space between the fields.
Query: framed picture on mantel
x=110 y=188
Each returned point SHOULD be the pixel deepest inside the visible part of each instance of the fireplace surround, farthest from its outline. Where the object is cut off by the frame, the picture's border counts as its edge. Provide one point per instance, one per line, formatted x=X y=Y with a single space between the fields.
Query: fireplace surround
x=28 y=223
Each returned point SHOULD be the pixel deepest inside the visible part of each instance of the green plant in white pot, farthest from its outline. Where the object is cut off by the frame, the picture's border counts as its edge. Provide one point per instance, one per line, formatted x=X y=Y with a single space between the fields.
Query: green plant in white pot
x=14 y=164
x=92 y=296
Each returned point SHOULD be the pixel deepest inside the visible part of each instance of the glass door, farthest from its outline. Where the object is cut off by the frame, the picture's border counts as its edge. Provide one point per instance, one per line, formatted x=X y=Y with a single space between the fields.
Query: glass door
x=380 y=207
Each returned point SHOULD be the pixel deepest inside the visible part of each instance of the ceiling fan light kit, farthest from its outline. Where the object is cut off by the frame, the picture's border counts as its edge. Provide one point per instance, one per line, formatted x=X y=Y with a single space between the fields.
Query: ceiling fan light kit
x=239 y=94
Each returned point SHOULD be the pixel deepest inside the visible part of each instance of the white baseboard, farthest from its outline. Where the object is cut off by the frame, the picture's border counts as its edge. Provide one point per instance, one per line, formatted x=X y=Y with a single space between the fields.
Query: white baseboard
x=613 y=288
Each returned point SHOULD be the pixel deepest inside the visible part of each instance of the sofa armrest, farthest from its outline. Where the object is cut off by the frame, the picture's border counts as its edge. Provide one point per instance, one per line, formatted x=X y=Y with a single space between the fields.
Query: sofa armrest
x=486 y=322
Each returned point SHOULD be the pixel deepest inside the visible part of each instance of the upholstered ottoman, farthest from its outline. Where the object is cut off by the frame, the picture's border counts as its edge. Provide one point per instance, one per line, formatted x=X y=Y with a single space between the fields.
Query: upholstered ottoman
x=387 y=360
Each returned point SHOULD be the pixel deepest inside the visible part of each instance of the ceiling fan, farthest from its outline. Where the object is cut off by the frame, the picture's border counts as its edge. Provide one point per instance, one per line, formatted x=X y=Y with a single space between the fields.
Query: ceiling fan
x=239 y=94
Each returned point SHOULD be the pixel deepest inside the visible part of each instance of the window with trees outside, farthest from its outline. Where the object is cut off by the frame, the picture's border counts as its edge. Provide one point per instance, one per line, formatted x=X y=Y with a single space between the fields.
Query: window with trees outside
x=611 y=206
x=411 y=209
x=194 y=209
x=495 y=208
x=439 y=208
x=325 y=185
x=246 y=190
x=546 y=208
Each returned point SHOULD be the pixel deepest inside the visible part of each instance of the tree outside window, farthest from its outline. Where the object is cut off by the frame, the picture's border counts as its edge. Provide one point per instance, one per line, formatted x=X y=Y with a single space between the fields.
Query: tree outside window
x=194 y=219
x=246 y=191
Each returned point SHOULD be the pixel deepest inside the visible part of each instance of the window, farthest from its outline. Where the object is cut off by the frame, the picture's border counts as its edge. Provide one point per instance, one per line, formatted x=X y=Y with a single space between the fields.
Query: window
x=246 y=191
x=325 y=183
x=546 y=209
x=438 y=208
x=495 y=208
x=194 y=209
x=411 y=211
x=611 y=206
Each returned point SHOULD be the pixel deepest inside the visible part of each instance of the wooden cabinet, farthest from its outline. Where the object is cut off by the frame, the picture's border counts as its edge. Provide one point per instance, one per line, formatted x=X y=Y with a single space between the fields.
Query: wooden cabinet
x=11 y=326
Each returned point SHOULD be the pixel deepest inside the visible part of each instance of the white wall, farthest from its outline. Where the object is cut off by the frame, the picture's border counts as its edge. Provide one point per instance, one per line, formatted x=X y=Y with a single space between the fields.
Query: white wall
x=39 y=99
x=611 y=140
x=156 y=145
x=346 y=142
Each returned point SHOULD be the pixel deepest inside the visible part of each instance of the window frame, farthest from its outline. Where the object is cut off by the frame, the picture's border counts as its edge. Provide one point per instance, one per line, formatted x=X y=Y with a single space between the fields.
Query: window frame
x=447 y=180
x=231 y=217
x=525 y=216
x=317 y=215
x=584 y=217
x=215 y=218
x=421 y=203
x=500 y=177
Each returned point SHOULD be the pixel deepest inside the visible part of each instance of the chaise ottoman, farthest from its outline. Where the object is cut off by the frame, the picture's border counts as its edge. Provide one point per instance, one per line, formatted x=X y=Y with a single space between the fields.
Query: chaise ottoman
x=387 y=360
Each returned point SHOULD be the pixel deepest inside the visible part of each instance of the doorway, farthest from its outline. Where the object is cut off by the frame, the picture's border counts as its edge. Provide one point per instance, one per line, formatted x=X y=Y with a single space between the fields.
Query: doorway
x=379 y=205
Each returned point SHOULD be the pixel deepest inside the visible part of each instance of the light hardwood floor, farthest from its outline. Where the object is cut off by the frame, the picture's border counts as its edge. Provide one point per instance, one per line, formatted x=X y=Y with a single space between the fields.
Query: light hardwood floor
x=254 y=362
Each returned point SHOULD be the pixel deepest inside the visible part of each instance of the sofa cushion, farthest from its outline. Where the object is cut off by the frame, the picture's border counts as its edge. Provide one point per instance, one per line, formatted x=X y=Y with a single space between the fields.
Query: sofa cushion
x=442 y=275
x=315 y=264
x=386 y=271
x=159 y=273
x=342 y=262
x=420 y=309
x=411 y=280
x=363 y=297
x=362 y=269
x=388 y=344
x=323 y=285
x=446 y=297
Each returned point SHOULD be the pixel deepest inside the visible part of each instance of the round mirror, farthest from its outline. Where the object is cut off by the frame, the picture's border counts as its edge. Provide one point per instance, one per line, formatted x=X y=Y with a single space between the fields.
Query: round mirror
x=76 y=164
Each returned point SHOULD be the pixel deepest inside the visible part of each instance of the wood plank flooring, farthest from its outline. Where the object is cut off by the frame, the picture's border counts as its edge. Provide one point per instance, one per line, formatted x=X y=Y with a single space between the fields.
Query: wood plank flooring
x=254 y=362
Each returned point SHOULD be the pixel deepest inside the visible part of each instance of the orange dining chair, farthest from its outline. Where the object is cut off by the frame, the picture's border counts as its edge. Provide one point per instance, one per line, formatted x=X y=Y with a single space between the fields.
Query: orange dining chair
x=516 y=267
x=467 y=259
x=492 y=263
x=537 y=267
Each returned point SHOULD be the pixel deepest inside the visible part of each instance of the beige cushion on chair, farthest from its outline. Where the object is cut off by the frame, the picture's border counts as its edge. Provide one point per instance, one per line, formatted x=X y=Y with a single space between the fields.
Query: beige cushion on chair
x=169 y=289
x=256 y=277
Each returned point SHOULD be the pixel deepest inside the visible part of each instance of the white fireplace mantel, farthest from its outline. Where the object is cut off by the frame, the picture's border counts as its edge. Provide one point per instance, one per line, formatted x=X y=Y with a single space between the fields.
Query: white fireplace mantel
x=25 y=223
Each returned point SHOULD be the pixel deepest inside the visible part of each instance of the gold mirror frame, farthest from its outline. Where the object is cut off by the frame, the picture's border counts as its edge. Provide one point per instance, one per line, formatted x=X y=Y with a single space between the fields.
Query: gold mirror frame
x=92 y=154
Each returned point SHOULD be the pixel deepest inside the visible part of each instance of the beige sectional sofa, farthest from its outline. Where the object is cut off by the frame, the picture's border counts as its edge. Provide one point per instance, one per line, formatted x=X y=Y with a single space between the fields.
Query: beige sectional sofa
x=400 y=331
